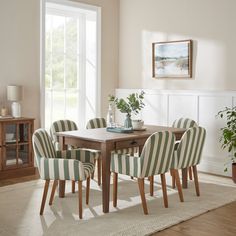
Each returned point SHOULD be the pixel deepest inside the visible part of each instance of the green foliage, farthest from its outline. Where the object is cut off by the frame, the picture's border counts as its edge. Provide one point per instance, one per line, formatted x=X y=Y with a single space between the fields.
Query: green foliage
x=228 y=135
x=61 y=52
x=133 y=103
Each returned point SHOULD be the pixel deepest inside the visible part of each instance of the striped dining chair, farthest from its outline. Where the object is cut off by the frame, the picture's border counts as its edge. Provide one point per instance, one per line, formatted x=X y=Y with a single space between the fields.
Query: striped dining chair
x=61 y=126
x=101 y=123
x=189 y=152
x=93 y=124
x=155 y=159
x=184 y=123
x=75 y=164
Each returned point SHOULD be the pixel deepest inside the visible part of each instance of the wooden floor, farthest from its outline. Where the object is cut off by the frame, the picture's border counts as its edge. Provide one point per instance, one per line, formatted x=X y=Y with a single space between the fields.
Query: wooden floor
x=219 y=222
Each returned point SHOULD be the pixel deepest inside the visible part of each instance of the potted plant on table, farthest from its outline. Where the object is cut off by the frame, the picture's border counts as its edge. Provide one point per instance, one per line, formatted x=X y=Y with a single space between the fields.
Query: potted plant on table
x=132 y=105
x=228 y=136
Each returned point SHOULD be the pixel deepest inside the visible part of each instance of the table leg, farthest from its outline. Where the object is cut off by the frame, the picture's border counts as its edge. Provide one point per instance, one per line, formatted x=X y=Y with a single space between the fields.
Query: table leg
x=185 y=177
x=62 y=183
x=106 y=149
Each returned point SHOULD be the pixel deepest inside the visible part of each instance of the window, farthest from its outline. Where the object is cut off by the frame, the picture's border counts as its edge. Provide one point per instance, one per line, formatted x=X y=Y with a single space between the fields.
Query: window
x=70 y=81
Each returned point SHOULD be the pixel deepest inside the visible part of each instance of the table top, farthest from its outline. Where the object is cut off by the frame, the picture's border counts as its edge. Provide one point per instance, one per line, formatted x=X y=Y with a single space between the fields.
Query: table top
x=102 y=135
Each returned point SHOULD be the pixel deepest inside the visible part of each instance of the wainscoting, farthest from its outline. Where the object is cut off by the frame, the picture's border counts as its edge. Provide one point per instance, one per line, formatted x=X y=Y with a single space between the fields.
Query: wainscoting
x=164 y=106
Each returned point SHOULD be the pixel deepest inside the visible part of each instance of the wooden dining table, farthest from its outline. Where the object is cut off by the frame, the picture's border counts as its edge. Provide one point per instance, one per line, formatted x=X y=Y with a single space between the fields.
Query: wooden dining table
x=101 y=139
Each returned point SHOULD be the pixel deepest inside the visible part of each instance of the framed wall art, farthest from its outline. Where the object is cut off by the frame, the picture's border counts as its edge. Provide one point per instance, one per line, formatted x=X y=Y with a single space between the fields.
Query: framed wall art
x=172 y=59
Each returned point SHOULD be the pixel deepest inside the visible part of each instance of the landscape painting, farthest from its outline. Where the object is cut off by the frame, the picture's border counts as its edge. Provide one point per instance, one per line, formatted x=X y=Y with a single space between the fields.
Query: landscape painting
x=172 y=59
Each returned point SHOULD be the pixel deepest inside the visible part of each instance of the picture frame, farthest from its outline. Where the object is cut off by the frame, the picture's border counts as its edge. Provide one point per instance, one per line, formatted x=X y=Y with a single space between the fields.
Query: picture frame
x=172 y=59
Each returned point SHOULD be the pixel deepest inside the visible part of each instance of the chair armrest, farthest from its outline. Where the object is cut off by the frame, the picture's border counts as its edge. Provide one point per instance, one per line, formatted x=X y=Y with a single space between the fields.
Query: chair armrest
x=176 y=144
x=126 y=164
x=174 y=163
x=56 y=145
x=61 y=169
x=83 y=155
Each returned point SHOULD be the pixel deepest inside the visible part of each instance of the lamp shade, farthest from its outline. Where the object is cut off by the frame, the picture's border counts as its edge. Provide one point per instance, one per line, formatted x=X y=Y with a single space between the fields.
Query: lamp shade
x=14 y=93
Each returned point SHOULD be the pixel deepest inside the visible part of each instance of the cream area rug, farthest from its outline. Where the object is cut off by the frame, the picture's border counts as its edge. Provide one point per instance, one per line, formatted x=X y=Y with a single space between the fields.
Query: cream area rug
x=20 y=203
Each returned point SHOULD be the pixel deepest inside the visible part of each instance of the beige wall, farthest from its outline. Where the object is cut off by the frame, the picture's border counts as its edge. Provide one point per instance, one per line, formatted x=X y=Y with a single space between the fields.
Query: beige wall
x=20 y=50
x=209 y=23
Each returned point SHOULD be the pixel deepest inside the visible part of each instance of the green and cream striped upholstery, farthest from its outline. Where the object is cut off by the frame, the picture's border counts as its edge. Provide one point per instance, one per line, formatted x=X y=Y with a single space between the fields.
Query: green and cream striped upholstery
x=156 y=157
x=96 y=123
x=76 y=164
x=190 y=148
x=184 y=123
x=61 y=126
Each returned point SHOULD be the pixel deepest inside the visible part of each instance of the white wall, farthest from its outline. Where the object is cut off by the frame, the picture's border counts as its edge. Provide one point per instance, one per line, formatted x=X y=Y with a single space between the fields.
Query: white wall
x=209 y=23
x=162 y=107
x=20 y=50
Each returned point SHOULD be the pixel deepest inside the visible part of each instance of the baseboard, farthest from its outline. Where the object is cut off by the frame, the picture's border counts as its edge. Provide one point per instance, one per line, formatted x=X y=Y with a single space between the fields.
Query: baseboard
x=213 y=167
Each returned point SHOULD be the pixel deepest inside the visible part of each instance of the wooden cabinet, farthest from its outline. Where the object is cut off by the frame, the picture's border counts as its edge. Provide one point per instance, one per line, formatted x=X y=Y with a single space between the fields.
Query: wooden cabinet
x=16 y=154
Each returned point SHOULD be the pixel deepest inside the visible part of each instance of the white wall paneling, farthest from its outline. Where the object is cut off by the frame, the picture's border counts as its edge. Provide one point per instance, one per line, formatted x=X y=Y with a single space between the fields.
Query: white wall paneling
x=182 y=105
x=155 y=111
x=164 y=106
x=209 y=105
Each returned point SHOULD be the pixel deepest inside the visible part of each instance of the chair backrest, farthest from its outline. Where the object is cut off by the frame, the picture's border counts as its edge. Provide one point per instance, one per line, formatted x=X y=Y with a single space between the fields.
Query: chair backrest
x=184 y=123
x=42 y=145
x=96 y=123
x=157 y=153
x=61 y=126
x=189 y=150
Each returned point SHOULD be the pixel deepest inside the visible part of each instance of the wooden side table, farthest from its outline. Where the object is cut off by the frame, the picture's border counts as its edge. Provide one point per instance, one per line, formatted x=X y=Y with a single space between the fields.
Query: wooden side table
x=16 y=154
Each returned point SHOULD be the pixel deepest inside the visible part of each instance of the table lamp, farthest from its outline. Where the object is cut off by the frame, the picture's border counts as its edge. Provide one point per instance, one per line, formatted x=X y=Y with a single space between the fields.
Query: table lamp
x=14 y=94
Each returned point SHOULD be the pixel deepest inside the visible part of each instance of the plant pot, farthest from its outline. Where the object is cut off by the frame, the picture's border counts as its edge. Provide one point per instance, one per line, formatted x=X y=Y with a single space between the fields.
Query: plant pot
x=234 y=172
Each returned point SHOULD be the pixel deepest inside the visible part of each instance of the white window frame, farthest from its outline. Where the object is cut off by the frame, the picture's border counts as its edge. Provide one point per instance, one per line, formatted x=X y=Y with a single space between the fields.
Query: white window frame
x=42 y=56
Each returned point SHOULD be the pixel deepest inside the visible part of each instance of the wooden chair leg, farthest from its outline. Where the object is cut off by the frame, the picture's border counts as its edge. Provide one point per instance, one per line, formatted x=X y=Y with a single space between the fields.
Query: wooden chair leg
x=196 y=180
x=163 y=183
x=115 y=177
x=62 y=186
x=45 y=192
x=87 y=190
x=173 y=178
x=55 y=183
x=185 y=178
x=179 y=187
x=73 y=186
x=142 y=195
x=99 y=170
x=80 y=199
x=190 y=173
x=151 y=178
x=92 y=175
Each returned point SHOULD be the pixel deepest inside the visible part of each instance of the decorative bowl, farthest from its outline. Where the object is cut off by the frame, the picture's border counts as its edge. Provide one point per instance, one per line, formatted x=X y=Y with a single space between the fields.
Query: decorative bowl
x=137 y=124
x=9 y=136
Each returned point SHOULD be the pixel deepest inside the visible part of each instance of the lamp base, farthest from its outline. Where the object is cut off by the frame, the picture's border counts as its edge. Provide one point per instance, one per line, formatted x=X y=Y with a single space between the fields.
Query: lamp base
x=15 y=109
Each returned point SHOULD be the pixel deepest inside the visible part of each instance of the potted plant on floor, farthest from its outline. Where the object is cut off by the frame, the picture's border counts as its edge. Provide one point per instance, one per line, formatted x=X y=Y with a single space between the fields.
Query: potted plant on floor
x=133 y=104
x=228 y=136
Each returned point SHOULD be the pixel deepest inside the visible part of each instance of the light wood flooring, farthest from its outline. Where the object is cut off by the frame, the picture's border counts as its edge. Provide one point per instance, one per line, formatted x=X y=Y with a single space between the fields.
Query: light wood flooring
x=219 y=222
